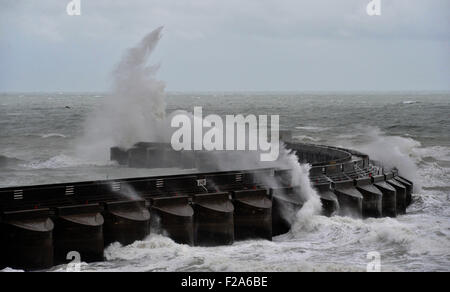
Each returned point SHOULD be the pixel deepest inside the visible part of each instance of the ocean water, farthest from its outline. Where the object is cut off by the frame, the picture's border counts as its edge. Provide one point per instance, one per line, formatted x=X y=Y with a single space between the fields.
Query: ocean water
x=40 y=137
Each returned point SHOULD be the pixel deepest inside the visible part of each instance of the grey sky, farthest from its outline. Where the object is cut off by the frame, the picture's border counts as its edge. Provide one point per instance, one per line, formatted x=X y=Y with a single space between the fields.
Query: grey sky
x=229 y=44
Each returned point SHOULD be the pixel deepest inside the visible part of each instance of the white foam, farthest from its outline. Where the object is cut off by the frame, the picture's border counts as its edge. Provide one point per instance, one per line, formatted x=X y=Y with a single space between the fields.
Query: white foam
x=371 y=234
x=312 y=128
x=306 y=138
x=9 y=270
x=59 y=161
x=51 y=135
x=158 y=253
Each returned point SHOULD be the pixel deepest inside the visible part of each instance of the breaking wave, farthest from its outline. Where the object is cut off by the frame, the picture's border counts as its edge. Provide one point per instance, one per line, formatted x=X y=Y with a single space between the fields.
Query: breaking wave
x=53 y=135
x=404 y=152
x=158 y=253
x=59 y=161
x=135 y=109
x=312 y=128
x=307 y=139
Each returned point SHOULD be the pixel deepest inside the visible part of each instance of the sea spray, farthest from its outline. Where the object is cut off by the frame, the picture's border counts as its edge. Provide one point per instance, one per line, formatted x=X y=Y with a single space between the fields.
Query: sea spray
x=135 y=108
x=135 y=111
x=287 y=160
x=391 y=151
x=59 y=161
x=300 y=177
x=127 y=192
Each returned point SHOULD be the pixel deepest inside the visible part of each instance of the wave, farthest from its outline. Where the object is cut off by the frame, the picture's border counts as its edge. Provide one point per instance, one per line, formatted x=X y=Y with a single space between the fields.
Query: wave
x=433 y=175
x=303 y=249
x=135 y=109
x=8 y=161
x=159 y=253
x=425 y=166
x=346 y=230
x=5 y=270
x=410 y=102
x=46 y=136
x=392 y=151
x=61 y=161
x=415 y=241
x=52 y=135
x=312 y=128
x=404 y=127
x=306 y=138
x=439 y=153
x=346 y=137
x=400 y=234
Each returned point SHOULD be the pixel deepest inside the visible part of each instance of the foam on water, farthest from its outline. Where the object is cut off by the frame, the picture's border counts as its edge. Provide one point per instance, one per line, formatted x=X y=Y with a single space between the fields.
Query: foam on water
x=61 y=161
x=306 y=139
x=312 y=128
x=52 y=135
x=6 y=270
x=158 y=253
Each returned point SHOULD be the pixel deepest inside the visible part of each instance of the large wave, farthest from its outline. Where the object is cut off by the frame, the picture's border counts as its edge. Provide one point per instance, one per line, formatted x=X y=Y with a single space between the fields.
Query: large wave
x=133 y=111
x=392 y=151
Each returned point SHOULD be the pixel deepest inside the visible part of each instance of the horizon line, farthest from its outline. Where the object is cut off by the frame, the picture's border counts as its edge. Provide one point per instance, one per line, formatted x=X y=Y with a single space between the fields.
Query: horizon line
x=232 y=91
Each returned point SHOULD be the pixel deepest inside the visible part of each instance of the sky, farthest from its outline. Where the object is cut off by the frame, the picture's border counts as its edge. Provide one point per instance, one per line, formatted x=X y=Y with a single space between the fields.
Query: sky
x=229 y=45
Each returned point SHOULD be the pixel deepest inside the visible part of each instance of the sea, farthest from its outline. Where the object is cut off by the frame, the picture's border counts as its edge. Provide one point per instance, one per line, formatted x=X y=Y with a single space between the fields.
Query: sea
x=41 y=133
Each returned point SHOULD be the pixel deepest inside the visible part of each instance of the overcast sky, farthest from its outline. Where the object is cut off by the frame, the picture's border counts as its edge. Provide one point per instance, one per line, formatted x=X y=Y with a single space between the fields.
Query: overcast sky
x=229 y=45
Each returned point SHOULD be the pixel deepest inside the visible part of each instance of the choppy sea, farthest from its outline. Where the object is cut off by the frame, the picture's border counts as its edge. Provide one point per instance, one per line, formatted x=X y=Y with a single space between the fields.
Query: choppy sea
x=39 y=134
